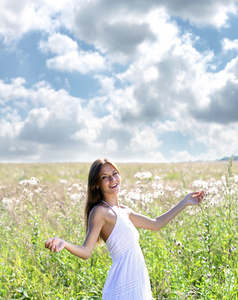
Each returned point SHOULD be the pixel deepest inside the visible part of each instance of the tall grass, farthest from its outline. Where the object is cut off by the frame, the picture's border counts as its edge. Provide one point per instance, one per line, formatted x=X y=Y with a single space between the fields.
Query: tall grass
x=193 y=257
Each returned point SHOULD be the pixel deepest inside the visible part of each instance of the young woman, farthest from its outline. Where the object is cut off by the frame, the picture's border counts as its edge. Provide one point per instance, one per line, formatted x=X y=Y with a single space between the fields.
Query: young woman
x=116 y=225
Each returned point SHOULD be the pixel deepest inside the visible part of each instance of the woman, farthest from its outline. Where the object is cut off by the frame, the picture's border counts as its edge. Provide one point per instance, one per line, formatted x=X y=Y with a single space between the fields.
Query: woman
x=116 y=225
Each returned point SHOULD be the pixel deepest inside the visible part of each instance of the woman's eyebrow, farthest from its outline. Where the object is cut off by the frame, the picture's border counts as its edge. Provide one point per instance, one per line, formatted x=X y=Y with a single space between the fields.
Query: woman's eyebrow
x=108 y=173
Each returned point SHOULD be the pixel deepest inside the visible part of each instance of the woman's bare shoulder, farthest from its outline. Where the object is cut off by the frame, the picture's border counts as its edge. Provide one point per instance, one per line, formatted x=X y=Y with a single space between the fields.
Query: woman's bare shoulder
x=126 y=208
x=98 y=211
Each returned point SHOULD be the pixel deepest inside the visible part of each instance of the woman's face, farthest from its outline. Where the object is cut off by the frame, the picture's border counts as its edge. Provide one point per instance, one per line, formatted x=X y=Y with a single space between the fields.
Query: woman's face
x=109 y=180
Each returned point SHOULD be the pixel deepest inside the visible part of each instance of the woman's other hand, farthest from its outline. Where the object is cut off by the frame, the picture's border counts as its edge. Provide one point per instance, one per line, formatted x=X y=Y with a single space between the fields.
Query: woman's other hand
x=55 y=244
x=194 y=198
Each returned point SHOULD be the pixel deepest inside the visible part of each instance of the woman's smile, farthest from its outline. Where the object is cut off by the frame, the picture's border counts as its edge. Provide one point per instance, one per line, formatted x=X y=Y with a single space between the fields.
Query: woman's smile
x=109 y=180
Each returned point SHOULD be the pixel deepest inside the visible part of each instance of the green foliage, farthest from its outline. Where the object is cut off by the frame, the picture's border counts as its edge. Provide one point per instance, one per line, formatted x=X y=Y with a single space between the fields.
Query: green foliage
x=194 y=257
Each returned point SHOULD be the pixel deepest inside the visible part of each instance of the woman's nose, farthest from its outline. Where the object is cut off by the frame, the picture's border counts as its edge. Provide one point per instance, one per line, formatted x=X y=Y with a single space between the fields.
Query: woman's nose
x=111 y=178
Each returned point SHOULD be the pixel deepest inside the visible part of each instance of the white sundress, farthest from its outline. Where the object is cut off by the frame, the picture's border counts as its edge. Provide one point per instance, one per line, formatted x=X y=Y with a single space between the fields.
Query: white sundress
x=128 y=277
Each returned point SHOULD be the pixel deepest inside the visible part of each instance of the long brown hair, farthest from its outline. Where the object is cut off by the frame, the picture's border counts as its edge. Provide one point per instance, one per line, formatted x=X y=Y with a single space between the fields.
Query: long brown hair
x=94 y=195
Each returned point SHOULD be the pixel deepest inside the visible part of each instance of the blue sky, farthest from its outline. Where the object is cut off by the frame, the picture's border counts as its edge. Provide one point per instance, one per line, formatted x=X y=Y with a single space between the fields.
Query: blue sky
x=144 y=81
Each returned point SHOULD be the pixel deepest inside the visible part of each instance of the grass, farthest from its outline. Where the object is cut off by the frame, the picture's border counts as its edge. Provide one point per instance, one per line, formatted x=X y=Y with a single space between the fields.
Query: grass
x=194 y=257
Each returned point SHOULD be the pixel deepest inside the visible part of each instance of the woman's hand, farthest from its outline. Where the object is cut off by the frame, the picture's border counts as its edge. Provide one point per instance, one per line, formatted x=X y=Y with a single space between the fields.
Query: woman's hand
x=194 y=198
x=55 y=244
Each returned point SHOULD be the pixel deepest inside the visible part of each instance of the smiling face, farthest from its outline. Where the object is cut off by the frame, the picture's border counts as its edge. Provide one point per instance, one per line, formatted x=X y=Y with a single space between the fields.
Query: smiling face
x=109 y=181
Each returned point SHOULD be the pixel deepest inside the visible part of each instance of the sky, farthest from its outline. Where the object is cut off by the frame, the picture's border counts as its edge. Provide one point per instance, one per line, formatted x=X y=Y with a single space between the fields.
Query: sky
x=133 y=81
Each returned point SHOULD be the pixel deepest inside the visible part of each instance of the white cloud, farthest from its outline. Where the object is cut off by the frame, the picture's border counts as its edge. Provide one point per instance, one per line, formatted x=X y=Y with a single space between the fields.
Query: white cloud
x=58 y=44
x=228 y=45
x=79 y=61
x=181 y=156
x=112 y=145
x=20 y=17
x=13 y=90
x=145 y=142
x=210 y=12
x=117 y=26
x=69 y=57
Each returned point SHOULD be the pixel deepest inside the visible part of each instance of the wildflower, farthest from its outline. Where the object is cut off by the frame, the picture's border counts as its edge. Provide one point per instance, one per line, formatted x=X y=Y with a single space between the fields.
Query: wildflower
x=200 y=184
x=178 y=194
x=147 y=198
x=75 y=197
x=178 y=244
x=123 y=192
x=158 y=193
x=76 y=185
x=133 y=196
x=63 y=181
x=8 y=203
x=143 y=175
x=158 y=186
x=169 y=189
x=33 y=181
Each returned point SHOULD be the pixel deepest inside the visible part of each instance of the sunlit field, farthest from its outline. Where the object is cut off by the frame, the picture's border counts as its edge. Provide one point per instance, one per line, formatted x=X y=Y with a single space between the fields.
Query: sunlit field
x=194 y=257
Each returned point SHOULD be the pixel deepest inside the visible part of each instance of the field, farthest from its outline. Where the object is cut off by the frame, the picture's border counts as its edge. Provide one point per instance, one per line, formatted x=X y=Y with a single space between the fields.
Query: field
x=193 y=257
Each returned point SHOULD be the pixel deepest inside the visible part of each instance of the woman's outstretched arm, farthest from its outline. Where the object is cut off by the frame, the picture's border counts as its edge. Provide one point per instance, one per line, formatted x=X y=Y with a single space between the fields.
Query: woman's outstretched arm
x=96 y=222
x=141 y=221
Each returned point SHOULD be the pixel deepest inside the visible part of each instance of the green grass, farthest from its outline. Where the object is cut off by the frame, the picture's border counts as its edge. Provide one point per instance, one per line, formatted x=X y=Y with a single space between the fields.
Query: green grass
x=194 y=257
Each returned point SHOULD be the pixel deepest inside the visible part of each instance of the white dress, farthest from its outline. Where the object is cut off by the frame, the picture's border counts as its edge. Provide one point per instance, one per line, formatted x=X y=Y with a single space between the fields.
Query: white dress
x=128 y=277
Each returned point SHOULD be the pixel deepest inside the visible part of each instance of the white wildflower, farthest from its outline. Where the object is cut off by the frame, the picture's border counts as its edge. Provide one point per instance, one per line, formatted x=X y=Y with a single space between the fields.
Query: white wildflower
x=200 y=184
x=147 y=198
x=7 y=202
x=75 y=197
x=169 y=189
x=63 y=181
x=158 y=193
x=123 y=192
x=157 y=186
x=133 y=196
x=178 y=194
x=26 y=182
x=33 y=181
x=236 y=178
x=143 y=175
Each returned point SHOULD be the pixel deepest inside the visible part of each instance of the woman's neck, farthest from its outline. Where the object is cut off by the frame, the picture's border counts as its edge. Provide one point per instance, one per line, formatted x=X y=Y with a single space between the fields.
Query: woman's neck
x=112 y=201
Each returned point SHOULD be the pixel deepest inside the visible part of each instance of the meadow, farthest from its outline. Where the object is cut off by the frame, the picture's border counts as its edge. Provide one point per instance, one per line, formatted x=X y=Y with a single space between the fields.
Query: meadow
x=193 y=257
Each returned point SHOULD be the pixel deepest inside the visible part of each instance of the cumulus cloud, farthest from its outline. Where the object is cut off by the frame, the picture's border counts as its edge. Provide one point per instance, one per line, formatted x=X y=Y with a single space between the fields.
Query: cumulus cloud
x=118 y=34
x=210 y=12
x=120 y=27
x=223 y=106
x=112 y=23
x=20 y=17
x=229 y=45
x=69 y=57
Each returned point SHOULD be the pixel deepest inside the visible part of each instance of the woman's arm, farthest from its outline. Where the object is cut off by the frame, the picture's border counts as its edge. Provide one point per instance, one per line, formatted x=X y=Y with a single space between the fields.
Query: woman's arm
x=141 y=221
x=96 y=222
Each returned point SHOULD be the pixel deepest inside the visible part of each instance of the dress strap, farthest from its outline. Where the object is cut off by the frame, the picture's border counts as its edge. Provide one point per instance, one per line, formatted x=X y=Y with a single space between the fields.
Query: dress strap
x=109 y=207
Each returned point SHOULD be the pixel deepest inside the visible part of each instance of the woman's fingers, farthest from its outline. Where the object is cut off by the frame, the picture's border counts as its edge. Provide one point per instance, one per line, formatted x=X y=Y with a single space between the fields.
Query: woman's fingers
x=51 y=245
x=48 y=243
